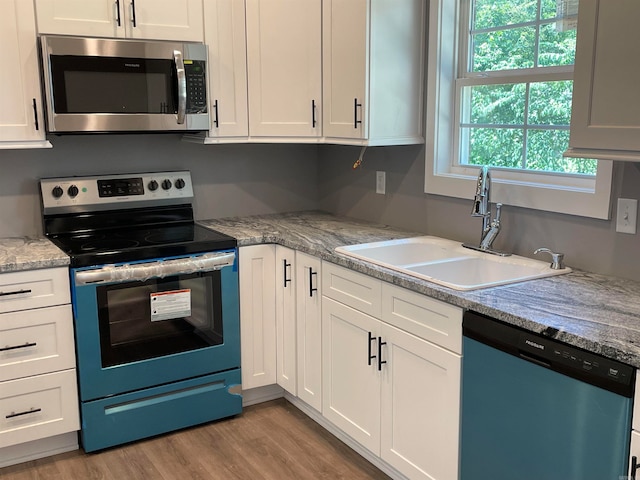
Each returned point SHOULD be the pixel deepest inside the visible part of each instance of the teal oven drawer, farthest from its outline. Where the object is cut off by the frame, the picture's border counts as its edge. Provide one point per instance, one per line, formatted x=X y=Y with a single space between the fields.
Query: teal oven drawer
x=144 y=413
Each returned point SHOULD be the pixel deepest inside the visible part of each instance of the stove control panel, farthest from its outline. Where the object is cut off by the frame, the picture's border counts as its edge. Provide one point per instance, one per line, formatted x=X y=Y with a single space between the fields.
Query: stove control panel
x=103 y=192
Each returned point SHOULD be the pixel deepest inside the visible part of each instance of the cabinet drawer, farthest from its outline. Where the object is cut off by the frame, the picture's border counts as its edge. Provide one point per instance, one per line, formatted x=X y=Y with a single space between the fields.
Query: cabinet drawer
x=37 y=407
x=352 y=288
x=36 y=341
x=34 y=289
x=422 y=316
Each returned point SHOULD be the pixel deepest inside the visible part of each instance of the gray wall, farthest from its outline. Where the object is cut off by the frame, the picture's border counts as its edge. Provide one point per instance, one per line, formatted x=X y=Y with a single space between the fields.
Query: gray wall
x=228 y=180
x=588 y=244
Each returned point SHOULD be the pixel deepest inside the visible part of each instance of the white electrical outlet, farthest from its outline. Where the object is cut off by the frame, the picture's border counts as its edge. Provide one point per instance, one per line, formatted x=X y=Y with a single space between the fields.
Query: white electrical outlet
x=381 y=180
x=626 y=215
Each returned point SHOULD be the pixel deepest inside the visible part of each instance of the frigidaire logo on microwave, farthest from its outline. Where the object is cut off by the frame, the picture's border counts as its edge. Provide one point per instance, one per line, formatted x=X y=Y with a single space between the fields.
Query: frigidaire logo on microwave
x=132 y=65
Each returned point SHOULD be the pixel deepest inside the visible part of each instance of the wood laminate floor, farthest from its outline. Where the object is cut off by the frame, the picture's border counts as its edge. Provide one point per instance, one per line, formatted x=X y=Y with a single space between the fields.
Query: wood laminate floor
x=273 y=440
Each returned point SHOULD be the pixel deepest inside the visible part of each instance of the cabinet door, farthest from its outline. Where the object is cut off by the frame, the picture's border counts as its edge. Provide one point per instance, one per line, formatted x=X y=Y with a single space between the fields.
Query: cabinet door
x=96 y=18
x=165 y=19
x=351 y=382
x=224 y=30
x=420 y=406
x=285 y=318
x=309 y=329
x=21 y=114
x=345 y=68
x=257 y=315
x=284 y=56
x=606 y=99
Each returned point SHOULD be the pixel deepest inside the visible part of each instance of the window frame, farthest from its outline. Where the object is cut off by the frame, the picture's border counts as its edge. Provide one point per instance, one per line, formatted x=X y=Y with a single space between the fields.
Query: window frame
x=561 y=193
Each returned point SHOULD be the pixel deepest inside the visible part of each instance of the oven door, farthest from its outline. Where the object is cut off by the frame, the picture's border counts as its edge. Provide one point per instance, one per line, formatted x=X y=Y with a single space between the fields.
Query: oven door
x=150 y=323
x=110 y=85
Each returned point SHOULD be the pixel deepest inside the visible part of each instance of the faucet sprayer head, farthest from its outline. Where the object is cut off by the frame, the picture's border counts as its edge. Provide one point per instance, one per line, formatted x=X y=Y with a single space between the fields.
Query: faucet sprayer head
x=481 y=199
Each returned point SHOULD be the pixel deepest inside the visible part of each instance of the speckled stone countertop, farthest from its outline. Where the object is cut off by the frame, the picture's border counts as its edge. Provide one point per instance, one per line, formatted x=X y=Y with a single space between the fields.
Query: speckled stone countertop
x=29 y=253
x=598 y=313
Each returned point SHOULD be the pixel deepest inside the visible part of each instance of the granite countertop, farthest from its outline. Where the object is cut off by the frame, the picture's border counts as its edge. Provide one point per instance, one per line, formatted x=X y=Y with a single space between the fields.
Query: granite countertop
x=29 y=253
x=598 y=313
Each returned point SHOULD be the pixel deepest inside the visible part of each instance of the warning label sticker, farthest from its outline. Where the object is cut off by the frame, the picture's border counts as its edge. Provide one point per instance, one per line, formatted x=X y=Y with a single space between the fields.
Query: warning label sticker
x=170 y=305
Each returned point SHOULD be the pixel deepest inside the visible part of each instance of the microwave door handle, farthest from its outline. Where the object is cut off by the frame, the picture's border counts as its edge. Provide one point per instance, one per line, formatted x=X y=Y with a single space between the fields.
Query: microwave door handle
x=182 y=86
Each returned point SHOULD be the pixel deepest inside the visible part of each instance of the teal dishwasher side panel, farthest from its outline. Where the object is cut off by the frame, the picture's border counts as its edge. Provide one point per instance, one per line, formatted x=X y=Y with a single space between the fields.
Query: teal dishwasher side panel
x=152 y=411
x=523 y=421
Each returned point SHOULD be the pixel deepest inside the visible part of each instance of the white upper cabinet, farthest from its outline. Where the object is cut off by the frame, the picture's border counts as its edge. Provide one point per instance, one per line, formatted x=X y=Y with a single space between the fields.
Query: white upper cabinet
x=373 y=80
x=605 y=120
x=224 y=34
x=148 y=19
x=21 y=114
x=284 y=62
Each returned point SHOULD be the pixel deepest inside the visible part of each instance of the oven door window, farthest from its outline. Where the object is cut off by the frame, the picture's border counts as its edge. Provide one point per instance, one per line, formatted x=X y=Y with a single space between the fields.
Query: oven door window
x=86 y=84
x=158 y=317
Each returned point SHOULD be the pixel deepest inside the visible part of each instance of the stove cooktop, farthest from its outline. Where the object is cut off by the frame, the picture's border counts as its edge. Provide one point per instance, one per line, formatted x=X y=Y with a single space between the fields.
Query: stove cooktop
x=126 y=245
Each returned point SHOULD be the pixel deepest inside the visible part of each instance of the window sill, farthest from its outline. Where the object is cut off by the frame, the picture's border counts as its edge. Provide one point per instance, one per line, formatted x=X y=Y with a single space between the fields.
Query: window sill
x=591 y=202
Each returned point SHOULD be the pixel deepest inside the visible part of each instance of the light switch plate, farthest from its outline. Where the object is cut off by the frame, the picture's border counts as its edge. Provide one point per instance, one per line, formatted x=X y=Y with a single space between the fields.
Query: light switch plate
x=627 y=215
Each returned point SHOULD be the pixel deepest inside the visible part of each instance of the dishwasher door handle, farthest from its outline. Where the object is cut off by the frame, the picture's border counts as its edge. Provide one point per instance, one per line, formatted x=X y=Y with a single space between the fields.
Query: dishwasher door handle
x=535 y=360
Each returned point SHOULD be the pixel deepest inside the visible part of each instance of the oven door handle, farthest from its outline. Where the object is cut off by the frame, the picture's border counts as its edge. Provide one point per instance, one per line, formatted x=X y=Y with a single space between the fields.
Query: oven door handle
x=155 y=269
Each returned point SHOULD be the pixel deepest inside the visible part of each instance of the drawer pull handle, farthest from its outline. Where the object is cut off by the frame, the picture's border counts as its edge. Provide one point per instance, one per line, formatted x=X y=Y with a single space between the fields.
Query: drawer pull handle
x=17 y=292
x=19 y=414
x=634 y=467
x=15 y=347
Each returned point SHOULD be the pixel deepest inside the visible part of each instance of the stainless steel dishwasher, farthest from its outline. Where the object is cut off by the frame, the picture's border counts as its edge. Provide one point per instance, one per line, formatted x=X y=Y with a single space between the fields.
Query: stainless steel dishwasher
x=534 y=408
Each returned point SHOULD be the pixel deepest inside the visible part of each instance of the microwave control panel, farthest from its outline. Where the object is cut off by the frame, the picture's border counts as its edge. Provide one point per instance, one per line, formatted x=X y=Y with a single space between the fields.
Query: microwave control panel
x=196 y=86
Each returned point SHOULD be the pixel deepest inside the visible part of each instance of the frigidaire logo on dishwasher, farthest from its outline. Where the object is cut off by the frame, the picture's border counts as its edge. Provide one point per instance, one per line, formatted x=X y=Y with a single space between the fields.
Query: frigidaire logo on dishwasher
x=534 y=344
x=133 y=65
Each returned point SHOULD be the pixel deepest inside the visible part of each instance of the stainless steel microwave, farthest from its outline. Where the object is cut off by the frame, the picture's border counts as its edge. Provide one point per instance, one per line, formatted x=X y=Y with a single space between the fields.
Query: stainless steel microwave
x=115 y=85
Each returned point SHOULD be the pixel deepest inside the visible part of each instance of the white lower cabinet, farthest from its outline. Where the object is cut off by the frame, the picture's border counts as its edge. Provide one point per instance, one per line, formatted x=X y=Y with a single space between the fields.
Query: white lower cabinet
x=285 y=291
x=390 y=389
x=38 y=394
x=257 y=315
x=309 y=329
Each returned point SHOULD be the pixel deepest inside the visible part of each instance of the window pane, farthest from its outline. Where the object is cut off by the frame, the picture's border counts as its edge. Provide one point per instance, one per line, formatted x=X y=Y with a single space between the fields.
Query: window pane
x=548 y=9
x=504 y=49
x=497 y=13
x=497 y=104
x=498 y=147
x=550 y=103
x=545 y=149
x=557 y=47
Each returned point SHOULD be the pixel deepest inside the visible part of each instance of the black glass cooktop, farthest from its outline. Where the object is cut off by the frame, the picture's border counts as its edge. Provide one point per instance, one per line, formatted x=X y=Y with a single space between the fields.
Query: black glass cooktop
x=126 y=245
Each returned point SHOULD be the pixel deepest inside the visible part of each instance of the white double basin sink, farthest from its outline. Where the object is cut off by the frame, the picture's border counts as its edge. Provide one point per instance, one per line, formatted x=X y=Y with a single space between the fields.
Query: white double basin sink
x=448 y=263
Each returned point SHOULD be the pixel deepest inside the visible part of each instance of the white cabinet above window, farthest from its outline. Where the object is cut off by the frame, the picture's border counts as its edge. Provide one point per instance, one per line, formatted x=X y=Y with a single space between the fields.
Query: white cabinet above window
x=606 y=99
x=144 y=19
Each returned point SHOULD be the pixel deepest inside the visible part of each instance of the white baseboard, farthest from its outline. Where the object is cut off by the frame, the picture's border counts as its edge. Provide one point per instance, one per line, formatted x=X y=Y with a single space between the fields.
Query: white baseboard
x=44 y=447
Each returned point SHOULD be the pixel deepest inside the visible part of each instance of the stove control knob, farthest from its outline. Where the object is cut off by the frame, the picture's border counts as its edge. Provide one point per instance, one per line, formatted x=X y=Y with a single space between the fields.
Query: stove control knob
x=72 y=191
x=180 y=183
x=153 y=185
x=166 y=184
x=57 y=191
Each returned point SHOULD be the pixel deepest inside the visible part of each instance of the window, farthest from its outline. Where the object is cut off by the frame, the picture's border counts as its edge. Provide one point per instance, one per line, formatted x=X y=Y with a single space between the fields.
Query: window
x=499 y=93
